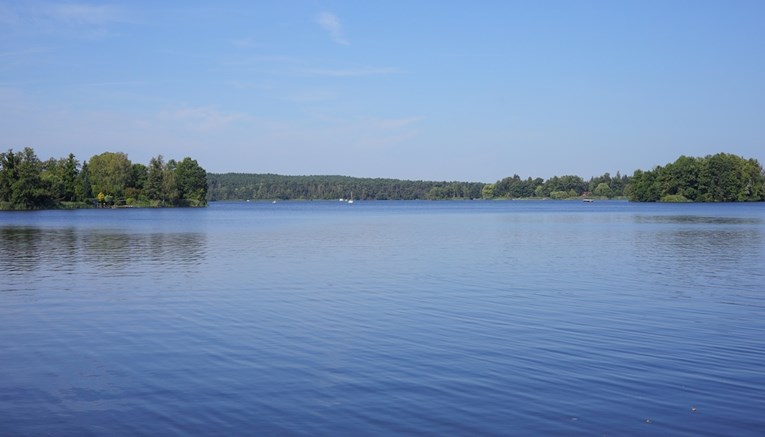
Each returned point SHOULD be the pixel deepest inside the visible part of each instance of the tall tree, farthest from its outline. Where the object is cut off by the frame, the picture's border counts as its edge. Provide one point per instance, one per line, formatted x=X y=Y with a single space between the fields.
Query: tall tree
x=110 y=173
x=8 y=174
x=27 y=189
x=191 y=180
x=170 y=195
x=155 y=178
x=83 y=189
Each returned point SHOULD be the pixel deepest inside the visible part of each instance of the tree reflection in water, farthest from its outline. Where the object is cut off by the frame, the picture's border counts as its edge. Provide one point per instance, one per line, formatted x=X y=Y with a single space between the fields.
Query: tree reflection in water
x=35 y=253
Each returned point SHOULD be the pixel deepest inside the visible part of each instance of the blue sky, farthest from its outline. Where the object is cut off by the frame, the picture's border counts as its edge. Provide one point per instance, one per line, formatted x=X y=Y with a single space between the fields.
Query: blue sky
x=436 y=90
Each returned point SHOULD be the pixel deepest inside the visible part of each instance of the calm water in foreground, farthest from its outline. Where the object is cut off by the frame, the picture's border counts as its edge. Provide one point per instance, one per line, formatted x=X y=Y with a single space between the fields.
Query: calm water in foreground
x=440 y=318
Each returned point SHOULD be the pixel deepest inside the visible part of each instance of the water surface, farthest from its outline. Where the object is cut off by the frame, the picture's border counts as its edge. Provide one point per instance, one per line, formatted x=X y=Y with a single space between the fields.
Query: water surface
x=439 y=318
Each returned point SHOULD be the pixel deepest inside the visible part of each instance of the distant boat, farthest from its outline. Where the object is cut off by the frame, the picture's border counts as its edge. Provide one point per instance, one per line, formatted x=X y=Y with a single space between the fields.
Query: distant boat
x=351 y=199
x=588 y=200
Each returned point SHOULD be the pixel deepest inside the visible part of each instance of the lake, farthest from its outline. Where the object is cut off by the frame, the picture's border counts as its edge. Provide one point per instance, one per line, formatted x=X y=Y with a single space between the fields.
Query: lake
x=381 y=318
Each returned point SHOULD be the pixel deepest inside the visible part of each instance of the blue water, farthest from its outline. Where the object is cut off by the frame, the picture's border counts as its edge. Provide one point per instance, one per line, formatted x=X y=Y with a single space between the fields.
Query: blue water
x=380 y=318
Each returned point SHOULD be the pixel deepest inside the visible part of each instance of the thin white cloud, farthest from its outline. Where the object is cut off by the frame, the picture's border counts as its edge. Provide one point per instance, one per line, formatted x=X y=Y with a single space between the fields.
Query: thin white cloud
x=203 y=118
x=84 y=14
x=24 y=52
x=250 y=85
x=384 y=133
x=313 y=96
x=396 y=123
x=277 y=59
x=361 y=133
x=116 y=83
x=245 y=43
x=331 y=24
x=70 y=19
x=352 y=72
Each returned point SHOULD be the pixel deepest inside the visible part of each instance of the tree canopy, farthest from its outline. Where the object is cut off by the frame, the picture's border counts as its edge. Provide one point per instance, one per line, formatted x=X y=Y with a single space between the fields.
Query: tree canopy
x=231 y=186
x=715 y=178
x=107 y=179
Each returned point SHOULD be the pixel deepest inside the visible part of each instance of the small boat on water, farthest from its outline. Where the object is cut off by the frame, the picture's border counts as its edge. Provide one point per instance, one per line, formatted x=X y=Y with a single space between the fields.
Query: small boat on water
x=588 y=200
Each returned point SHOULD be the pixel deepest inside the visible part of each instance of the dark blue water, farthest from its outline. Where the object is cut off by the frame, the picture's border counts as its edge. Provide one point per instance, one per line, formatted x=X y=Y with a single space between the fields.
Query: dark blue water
x=379 y=318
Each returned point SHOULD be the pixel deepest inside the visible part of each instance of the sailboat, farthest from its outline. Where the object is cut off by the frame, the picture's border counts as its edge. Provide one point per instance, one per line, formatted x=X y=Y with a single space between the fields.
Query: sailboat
x=350 y=200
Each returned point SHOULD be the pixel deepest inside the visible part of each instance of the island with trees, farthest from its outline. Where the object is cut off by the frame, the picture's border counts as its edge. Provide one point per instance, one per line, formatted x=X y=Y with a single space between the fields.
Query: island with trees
x=106 y=180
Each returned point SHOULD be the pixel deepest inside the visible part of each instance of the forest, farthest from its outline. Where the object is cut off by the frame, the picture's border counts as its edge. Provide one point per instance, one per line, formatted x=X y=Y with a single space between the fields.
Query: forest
x=237 y=186
x=715 y=178
x=106 y=180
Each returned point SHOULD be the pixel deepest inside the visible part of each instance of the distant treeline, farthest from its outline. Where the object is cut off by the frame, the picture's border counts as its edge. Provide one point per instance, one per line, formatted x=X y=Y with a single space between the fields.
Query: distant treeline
x=715 y=178
x=238 y=186
x=108 y=179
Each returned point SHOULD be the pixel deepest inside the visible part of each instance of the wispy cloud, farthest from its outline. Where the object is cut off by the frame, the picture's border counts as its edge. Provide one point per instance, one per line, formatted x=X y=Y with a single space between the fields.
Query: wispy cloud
x=362 y=133
x=313 y=96
x=351 y=72
x=203 y=118
x=382 y=133
x=22 y=52
x=117 y=83
x=258 y=62
x=250 y=85
x=84 y=14
x=396 y=123
x=245 y=43
x=331 y=24
x=62 y=18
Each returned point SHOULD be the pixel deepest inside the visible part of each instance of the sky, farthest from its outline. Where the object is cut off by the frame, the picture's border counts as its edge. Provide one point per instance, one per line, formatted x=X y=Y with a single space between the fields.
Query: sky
x=410 y=89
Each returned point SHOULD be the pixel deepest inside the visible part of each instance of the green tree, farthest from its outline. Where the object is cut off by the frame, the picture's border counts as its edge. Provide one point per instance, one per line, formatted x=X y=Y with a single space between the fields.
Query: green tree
x=52 y=179
x=753 y=183
x=139 y=176
x=70 y=171
x=170 y=194
x=191 y=180
x=155 y=178
x=487 y=192
x=539 y=191
x=83 y=189
x=110 y=173
x=59 y=177
x=9 y=173
x=602 y=190
x=644 y=186
x=27 y=189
